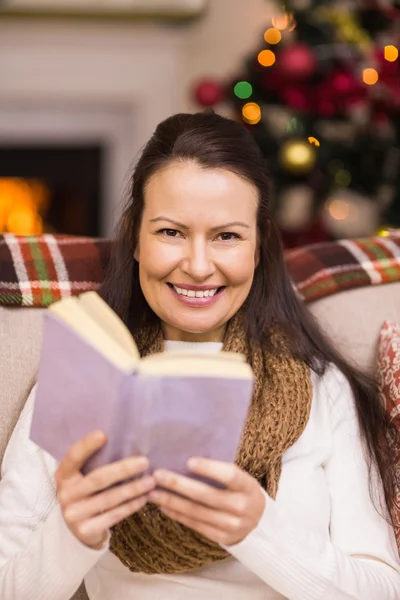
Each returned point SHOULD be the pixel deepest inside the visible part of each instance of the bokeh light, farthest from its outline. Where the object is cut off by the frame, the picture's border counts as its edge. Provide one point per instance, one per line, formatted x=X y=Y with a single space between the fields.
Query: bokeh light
x=266 y=58
x=339 y=210
x=243 y=90
x=251 y=113
x=391 y=53
x=383 y=232
x=342 y=178
x=284 y=21
x=314 y=141
x=370 y=76
x=272 y=35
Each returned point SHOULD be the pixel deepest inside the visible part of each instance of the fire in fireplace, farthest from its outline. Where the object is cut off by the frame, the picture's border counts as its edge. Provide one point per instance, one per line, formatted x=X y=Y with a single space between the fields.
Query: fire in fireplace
x=51 y=189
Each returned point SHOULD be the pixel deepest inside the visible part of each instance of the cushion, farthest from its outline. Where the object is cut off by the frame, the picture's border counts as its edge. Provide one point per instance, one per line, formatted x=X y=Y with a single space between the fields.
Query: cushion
x=352 y=319
x=20 y=342
x=320 y=270
x=389 y=387
x=389 y=369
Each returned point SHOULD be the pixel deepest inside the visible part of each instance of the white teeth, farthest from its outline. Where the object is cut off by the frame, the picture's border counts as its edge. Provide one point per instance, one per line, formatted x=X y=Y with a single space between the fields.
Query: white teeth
x=194 y=294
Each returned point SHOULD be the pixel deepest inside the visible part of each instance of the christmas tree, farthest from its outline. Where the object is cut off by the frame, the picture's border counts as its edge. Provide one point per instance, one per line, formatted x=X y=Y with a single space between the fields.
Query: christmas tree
x=321 y=95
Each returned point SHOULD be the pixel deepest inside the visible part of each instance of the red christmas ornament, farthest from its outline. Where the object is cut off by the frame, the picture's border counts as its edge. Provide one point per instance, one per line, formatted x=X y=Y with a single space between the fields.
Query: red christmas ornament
x=208 y=92
x=343 y=83
x=297 y=62
x=297 y=98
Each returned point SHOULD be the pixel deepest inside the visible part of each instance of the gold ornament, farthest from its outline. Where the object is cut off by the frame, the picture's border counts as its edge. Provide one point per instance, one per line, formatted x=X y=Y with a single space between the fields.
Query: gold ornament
x=297 y=156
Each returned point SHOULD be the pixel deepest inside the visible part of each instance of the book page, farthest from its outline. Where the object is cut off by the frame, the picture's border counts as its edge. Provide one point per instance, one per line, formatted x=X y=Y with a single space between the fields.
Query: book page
x=71 y=313
x=99 y=310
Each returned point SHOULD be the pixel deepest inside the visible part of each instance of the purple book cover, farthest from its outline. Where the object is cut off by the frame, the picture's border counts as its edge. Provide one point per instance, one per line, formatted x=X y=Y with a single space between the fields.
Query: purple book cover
x=167 y=419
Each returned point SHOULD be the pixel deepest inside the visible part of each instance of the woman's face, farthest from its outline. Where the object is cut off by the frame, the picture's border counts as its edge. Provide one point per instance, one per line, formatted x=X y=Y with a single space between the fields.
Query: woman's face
x=197 y=249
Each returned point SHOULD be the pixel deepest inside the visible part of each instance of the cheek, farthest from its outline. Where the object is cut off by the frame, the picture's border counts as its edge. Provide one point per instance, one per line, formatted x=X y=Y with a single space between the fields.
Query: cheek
x=239 y=266
x=157 y=260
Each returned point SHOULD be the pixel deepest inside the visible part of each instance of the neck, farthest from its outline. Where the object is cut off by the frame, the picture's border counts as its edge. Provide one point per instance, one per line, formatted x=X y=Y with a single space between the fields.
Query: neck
x=177 y=335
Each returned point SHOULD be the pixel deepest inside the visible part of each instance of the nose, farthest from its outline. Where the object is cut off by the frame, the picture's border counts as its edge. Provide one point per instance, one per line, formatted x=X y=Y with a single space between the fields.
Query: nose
x=198 y=262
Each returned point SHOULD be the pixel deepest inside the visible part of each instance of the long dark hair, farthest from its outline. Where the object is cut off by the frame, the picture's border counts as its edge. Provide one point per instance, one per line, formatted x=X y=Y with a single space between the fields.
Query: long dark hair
x=212 y=141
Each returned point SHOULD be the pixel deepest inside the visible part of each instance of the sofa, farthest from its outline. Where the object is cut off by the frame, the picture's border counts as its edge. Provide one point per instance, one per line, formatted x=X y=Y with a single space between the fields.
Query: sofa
x=351 y=287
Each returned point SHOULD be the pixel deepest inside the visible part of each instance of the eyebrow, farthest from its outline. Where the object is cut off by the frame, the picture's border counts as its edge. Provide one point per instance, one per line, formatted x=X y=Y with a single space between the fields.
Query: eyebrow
x=182 y=226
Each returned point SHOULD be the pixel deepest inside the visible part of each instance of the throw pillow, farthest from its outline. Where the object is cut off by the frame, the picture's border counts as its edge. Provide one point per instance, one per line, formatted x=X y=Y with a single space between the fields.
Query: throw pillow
x=389 y=388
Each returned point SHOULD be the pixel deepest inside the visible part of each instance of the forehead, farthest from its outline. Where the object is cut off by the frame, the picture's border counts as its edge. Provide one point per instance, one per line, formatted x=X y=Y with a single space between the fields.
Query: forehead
x=187 y=188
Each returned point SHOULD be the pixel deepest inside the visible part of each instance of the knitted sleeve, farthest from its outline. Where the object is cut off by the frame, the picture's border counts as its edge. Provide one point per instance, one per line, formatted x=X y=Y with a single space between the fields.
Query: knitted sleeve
x=40 y=558
x=356 y=558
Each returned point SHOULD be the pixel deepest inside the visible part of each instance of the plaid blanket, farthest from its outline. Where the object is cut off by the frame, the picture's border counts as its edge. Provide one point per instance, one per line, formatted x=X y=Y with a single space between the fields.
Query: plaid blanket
x=39 y=270
x=323 y=269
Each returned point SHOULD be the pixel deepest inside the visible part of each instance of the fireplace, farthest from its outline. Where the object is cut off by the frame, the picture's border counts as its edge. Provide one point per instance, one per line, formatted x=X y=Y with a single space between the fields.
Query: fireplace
x=51 y=188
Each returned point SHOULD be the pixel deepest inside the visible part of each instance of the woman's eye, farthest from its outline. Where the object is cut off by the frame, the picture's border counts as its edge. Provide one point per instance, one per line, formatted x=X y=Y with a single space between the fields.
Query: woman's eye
x=228 y=235
x=169 y=232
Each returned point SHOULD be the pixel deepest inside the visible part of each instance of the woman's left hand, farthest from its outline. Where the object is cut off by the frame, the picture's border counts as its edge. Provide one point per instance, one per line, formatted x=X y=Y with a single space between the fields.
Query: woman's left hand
x=224 y=516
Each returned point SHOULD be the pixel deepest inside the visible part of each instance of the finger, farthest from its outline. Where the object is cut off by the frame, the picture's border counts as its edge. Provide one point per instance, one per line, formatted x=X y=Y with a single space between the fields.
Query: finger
x=193 y=510
x=107 y=520
x=208 y=531
x=103 y=478
x=79 y=453
x=195 y=490
x=104 y=502
x=229 y=474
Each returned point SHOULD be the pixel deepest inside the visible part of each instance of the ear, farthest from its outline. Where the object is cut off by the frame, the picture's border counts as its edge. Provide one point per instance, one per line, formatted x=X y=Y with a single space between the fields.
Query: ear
x=136 y=254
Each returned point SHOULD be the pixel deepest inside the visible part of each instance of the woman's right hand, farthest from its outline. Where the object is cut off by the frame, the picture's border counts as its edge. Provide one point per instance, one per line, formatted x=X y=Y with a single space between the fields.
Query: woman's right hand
x=88 y=506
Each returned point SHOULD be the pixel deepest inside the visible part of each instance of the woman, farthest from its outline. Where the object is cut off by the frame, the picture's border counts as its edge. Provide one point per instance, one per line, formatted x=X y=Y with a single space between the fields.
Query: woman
x=198 y=263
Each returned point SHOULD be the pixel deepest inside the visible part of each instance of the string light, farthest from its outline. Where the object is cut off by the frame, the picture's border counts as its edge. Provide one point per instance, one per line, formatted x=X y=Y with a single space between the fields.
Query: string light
x=314 y=141
x=266 y=58
x=339 y=210
x=284 y=21
x=251 y=113
x=272 y=35
x=370 y=76
x=383 y=232
x=391 y=53
x=243 y=90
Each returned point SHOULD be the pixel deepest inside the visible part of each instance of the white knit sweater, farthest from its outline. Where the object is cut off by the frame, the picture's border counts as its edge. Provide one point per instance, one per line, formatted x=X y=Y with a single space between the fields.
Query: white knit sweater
x=321 y=539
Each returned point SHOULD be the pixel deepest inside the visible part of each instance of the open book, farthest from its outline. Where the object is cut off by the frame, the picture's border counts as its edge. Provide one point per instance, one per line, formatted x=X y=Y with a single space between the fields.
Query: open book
x=168 y=406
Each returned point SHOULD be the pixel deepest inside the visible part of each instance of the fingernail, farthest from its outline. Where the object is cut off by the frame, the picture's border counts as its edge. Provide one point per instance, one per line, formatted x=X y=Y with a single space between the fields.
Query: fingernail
x=193 y=463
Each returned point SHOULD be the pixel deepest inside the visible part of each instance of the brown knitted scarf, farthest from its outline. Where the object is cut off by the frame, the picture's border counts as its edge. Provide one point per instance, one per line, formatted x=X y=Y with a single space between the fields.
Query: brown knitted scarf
x=148 y=541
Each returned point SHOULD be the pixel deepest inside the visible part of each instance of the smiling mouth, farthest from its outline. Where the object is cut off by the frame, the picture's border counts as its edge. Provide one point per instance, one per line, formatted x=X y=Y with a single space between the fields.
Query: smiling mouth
x=196 y=293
